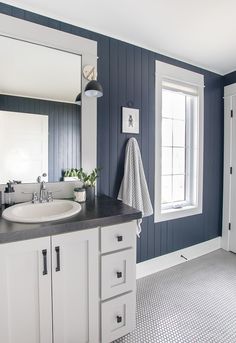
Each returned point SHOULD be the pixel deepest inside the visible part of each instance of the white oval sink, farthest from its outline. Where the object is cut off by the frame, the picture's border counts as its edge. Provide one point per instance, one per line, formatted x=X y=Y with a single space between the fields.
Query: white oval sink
x=41 y=212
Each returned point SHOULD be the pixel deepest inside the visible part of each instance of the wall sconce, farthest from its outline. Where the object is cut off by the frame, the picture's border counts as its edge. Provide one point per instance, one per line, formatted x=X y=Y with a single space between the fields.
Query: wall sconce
x=93 y=88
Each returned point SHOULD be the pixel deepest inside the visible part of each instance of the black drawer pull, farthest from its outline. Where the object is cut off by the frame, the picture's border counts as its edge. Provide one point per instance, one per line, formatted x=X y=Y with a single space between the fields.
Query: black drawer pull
x=119 y=238
x=58 y=267
x=119 y=275
x=45 y=269
x=118 y=319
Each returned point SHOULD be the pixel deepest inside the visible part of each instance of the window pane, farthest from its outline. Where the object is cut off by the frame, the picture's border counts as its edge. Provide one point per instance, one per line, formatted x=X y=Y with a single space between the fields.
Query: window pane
x=166 y=189
x=167 y=103
x=166 y=161
x=178 y=188
x=166 y=132
x=173 y=104
x=178 y=133
x=178 y=161
x=178 y=103
x=173 y=146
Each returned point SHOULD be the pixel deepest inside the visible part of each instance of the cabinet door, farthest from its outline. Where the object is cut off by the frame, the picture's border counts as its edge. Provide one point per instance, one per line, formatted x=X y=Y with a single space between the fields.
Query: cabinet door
x=75 y=287
x=232 y=233
x=25 y=292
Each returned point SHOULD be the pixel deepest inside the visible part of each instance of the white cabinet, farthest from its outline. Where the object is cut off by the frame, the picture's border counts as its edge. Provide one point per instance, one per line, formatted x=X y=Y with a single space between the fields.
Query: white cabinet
x=118 y=280
x=50 y=283
x=25 y=292
x=68 y=288
x=75 y=287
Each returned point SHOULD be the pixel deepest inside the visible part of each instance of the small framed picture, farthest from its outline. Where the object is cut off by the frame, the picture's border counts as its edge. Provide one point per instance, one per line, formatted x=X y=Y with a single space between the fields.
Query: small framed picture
x=130 y=120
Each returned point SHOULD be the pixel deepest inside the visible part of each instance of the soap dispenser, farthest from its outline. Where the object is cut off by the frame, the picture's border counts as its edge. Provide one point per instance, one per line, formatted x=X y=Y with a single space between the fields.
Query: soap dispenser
x=9 y=195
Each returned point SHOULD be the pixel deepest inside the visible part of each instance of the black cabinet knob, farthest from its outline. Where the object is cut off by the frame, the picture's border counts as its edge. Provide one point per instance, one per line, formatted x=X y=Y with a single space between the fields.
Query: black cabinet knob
x=119 y=238
x=119 y=319
x=119 y=275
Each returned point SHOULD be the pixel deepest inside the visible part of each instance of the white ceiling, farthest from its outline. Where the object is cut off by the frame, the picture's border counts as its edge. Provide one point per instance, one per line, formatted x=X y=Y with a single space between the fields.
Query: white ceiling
x=200 y=32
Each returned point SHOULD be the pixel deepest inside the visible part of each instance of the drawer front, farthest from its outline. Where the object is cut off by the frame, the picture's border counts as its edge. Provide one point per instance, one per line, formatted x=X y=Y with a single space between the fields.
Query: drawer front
x=118 y=273
x=118 y=317
x=117 y=237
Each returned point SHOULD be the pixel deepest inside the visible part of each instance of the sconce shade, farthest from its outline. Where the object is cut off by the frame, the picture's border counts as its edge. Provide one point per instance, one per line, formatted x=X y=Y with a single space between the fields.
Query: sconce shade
x=78 y=99
x=94 y=88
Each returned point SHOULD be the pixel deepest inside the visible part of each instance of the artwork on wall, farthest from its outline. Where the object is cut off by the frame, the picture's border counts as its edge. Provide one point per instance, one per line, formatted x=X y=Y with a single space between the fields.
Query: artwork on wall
x=130 y=120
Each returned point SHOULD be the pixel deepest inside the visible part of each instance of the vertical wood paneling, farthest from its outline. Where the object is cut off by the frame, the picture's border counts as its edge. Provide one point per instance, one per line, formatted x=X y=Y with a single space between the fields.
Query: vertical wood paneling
x=144 y=146
x=51 y=140
x=229 y=78
x=151 y=160
x=123 y=82
x=103 y=118
x=138 y=104
x=127 y=75
x=114 y=115
x=64 y=130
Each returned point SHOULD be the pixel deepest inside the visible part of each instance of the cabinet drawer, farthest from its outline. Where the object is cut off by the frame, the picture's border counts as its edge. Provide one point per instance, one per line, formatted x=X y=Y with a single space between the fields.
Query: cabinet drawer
x=118 y=273
x=117 y=237
x=118 y=317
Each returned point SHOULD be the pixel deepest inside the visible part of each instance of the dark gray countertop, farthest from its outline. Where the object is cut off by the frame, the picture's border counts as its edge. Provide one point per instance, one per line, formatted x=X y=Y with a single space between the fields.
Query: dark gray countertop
x=103 y=212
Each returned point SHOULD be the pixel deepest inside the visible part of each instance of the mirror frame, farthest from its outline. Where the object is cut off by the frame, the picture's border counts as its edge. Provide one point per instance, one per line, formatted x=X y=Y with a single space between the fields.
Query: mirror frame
x=37 y=34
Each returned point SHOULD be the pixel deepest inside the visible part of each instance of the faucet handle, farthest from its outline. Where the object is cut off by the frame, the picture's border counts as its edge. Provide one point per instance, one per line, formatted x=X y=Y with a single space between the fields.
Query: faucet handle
x=35 y=197
x=39 y=178
x=50 y=196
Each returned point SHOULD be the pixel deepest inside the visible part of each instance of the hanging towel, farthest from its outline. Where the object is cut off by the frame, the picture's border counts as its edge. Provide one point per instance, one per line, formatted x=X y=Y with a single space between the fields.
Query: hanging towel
x=133 y=190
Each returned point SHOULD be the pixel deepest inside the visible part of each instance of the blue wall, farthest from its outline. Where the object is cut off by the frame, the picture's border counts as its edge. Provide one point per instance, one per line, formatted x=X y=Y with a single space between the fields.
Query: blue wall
x=127 y=74
x=230 y=78
x=64 y=126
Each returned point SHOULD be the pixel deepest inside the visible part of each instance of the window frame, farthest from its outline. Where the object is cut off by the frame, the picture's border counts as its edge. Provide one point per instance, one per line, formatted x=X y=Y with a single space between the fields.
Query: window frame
x=167 y=72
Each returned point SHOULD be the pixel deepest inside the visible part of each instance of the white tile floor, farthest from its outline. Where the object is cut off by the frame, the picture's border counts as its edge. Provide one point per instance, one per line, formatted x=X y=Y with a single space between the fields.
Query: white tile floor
x=194 y=302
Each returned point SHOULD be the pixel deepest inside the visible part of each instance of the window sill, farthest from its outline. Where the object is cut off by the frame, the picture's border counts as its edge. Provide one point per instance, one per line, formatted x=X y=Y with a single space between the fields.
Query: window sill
x=174 y=213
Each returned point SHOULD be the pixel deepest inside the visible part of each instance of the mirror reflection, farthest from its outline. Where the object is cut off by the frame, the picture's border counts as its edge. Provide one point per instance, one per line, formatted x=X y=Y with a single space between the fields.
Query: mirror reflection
x=40 y=124
x=26 y=155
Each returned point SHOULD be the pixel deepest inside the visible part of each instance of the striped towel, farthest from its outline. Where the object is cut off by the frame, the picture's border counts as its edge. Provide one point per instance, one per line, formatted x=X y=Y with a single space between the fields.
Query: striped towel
x=134 y=190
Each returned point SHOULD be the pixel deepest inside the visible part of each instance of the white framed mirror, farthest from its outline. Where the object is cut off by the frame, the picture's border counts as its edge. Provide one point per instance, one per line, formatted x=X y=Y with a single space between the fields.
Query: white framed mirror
x=41 y=76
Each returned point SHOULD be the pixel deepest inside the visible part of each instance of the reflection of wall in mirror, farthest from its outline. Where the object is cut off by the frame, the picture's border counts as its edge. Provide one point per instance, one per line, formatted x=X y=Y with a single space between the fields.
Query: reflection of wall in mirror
x=64 y=131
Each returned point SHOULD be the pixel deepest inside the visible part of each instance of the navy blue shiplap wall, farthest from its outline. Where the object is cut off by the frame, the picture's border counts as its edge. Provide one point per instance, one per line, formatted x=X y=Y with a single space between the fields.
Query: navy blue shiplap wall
x=128 y=77
x=64 y=126
x=230 y=78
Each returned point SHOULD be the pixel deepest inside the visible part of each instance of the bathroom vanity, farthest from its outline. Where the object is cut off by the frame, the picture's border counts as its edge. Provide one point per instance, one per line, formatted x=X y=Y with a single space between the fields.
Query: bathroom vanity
x=71 y=280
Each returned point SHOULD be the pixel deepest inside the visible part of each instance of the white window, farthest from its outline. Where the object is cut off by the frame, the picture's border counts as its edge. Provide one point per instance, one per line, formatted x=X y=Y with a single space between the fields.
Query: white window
x=179 y=142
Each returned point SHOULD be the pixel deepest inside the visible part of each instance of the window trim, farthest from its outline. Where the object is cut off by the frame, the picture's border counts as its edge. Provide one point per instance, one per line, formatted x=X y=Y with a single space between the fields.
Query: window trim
x=165 y=72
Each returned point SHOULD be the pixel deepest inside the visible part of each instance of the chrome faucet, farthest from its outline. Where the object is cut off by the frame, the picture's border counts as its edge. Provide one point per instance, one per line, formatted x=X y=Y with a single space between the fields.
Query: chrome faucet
x=43 y=193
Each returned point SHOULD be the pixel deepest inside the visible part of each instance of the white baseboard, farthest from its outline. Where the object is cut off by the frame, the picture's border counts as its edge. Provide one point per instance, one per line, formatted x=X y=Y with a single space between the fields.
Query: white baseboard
x=169 y=260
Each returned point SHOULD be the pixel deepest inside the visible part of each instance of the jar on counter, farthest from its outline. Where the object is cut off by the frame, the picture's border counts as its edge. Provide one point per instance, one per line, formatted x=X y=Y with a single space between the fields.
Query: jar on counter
x=9 y=195
x=79 y=195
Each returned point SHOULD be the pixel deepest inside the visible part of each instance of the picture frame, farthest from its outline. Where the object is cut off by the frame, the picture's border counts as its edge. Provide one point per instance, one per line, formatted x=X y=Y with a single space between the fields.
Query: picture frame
x=130 y=120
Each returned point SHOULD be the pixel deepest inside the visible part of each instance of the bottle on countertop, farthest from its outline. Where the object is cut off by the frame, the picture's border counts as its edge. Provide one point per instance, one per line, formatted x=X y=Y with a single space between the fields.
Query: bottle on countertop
x=9 y=195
